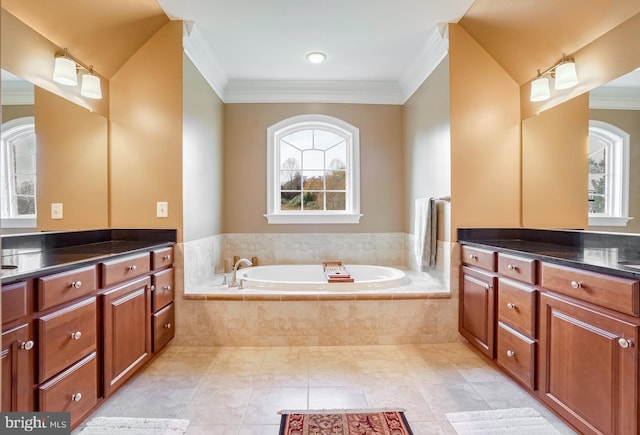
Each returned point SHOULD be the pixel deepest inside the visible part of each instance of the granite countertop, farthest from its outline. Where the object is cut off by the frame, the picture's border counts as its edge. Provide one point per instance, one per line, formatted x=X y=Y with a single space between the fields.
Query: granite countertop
x=599 y=252
x=26 y=256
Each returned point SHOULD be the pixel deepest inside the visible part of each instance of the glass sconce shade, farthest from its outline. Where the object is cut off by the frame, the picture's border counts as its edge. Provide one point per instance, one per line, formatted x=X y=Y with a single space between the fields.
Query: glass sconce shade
x=566 y=76
x=540 y=89
x=64 y=71
x=91 y=87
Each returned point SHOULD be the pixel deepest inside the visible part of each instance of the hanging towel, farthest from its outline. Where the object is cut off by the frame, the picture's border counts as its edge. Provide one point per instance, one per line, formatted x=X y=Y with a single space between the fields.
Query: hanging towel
x=426 y=233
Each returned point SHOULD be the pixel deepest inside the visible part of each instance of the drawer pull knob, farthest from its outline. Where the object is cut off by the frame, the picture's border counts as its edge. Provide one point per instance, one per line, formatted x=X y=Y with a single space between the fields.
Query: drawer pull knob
x=132 y=267
x=167 y=325
x=27 y=345
x=76 y=335
x=576 y=284
x=511 y=267
x=167 y=257
x=473 y=257
x=511 y=353
x=625 y=343
x=76 y=284
x=511 y=305
x=166 y=288
x=76 y=397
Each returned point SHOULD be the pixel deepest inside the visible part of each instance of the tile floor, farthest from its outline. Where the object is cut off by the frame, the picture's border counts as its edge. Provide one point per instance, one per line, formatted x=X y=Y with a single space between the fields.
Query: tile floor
x=238 y=390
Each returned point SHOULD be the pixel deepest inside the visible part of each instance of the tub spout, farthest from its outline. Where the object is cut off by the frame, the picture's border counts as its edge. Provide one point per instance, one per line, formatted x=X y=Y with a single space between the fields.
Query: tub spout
x=233 y=282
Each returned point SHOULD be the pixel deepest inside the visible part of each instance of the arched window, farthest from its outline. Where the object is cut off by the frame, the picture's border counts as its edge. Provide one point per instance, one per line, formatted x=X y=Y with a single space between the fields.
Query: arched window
x=608 y=175
x=18 y=175
x=313 y=173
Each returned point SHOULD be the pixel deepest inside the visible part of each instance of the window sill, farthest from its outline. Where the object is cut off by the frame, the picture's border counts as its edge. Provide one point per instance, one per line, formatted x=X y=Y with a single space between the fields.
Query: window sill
x=313 y=218
x=608 y=221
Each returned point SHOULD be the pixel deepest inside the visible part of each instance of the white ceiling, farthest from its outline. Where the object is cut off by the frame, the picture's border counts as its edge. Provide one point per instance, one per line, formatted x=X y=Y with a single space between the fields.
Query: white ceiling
x=378 y=51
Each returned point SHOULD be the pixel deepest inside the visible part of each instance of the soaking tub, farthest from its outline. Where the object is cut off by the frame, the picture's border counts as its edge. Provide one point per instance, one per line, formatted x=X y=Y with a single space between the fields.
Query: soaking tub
x=310 y=277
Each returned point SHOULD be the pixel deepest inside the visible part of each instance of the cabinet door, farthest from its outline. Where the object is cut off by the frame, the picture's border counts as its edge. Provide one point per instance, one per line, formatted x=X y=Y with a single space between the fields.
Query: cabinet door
x=127 y=331
x=588 y=367
x=17 y=370
x=477 y=309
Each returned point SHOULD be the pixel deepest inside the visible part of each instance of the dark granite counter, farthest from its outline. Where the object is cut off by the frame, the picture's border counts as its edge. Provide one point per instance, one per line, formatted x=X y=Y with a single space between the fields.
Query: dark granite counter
x=29 y=255
x=600 y=252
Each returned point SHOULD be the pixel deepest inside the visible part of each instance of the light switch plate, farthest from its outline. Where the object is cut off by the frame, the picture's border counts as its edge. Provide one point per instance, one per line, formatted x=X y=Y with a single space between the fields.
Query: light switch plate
x=162 y=209
x=56 y=210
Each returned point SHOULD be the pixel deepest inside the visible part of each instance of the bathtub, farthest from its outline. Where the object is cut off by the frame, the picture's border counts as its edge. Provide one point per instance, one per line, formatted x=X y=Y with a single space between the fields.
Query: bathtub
x=310 y=277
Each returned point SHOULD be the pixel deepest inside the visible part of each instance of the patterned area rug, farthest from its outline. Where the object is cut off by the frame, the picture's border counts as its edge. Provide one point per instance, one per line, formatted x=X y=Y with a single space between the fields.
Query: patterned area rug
x=134 y=426
x=344 y=422
x=521 y=421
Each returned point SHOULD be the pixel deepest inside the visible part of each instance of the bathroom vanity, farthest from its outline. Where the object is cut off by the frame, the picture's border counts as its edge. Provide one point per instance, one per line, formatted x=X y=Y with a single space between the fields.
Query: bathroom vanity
x=81 y=312
x=558 y=311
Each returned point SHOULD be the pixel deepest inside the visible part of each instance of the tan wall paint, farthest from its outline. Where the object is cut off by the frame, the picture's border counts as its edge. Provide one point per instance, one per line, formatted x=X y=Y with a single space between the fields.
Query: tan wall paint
x=202 y=148
x=381 y=171
x=485 y=138
x=146 y=134
x=72 y=151
x=554 y=173
x=629 y=121
x=427 y=146
x=17 y=111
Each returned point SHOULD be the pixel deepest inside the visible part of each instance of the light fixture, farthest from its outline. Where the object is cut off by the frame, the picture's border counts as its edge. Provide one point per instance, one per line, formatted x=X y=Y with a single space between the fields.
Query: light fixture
x=564 y=73
x=65 y=72
x=316 y=57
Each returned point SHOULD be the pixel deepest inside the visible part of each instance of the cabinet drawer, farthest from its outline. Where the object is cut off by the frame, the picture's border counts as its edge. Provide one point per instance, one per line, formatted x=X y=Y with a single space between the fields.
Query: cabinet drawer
x=75 y=390
x=63 y=287
x=65 y=336
x=162 y=293
x=163 y=327
x=616 y=293
x=161 y=258
x=522 y=269
x=516 y=354
x=517 y=306
x=124 y=269
x=14 y=302
x=479 y=258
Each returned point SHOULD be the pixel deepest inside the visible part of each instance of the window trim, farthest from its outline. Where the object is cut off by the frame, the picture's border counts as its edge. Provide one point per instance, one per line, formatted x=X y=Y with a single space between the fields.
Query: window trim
x=352 y=214
x=618 y=213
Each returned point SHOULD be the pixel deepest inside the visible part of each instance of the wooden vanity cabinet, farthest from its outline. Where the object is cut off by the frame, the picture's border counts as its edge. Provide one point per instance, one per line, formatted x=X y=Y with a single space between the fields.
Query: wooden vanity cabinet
x=162 y=299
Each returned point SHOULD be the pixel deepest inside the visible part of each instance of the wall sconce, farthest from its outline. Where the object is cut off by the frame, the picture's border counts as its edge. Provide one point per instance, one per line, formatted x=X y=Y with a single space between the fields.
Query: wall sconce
x=564 y=73
x=65 y=72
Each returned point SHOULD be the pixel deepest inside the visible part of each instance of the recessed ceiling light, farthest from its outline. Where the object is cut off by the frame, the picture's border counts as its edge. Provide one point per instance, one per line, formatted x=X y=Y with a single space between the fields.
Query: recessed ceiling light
x=316 y=57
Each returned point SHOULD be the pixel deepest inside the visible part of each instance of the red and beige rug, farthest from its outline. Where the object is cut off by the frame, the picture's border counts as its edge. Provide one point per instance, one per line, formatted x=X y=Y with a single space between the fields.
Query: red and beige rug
x=344 y=422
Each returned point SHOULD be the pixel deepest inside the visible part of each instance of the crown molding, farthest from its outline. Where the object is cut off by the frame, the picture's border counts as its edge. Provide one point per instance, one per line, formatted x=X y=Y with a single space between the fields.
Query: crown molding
x=615 y=98
x=199 y=52
x=17 y=93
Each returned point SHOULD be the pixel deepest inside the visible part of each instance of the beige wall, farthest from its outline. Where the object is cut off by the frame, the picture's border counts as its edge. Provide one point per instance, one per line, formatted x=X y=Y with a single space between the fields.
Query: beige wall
x=381 y=166
x=427 y=146
x=485 y=138
x=202 y=179
x=554 y=172
x=17 y=111
x=145 y=162
x=71 y=162
x=629 y=121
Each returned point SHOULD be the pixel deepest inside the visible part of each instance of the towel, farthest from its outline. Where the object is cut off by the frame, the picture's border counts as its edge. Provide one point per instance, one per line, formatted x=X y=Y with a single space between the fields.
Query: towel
x=426 y=233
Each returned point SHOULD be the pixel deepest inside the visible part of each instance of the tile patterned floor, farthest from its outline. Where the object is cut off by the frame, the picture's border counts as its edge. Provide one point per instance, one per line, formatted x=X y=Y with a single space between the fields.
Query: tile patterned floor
x=238 y=390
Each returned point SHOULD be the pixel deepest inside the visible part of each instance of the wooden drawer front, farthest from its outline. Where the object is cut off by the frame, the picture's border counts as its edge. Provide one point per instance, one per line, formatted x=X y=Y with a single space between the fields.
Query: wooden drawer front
x=75 y=390
x=63 y=287
x=124 y=269
x=479 y=258
x=517 y=306
x=14 y=302
x=516 y=354
x=522 y=269
x=620 y=294
x=162 y=289
x=65 y=336
x=163 y=327
x=161 y=258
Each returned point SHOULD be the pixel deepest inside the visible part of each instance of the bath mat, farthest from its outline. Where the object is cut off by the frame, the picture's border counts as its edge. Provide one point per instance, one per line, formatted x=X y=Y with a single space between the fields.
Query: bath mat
x=134 y=426
x=523 y=421
x=344 y=422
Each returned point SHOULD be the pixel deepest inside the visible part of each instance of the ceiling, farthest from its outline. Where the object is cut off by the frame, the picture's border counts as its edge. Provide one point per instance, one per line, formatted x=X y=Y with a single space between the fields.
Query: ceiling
x=378 y=51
